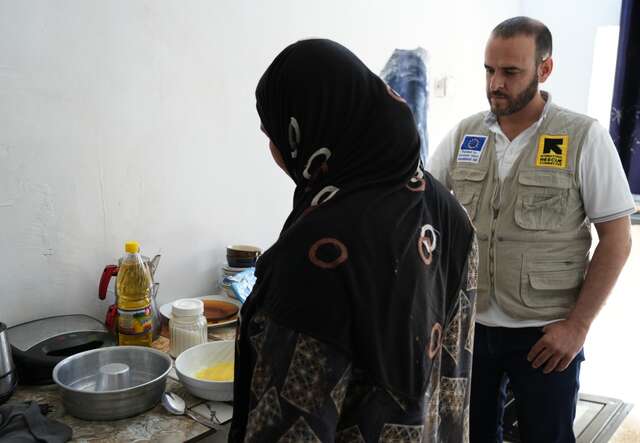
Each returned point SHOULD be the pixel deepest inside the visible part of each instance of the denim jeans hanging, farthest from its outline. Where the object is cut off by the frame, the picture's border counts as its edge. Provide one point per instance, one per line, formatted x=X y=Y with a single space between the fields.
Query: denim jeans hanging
x=406 y=73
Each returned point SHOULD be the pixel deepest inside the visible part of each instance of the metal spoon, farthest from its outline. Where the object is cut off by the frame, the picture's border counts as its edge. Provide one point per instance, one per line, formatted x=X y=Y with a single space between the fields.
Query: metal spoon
x=175 y=404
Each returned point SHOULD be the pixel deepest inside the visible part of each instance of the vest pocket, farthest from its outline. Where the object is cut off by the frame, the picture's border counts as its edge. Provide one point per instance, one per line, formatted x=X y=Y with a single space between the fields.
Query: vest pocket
x=467 y=185
x=542 y=199
x=549 y=283
x=468 y=197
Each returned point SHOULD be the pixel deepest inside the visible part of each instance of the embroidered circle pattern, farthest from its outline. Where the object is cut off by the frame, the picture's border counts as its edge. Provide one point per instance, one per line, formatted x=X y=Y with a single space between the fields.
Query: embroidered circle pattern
x=417 y=183
x=436 y=340
x=325 y=194
x=328 y=253
x=395 y=95
x=427 y=243
x=294 y=136
x=324 y=152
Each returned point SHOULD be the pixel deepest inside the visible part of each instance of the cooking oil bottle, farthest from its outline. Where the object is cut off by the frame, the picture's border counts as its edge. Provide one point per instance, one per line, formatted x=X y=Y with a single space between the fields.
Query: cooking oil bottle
x=133 y=286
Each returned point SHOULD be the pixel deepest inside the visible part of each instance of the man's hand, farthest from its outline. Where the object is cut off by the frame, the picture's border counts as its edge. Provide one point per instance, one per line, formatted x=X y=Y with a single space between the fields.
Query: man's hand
x=563 y=340
x=558 y=346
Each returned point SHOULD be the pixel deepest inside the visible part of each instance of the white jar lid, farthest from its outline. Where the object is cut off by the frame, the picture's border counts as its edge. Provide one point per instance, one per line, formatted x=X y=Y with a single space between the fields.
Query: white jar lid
x=185 y=307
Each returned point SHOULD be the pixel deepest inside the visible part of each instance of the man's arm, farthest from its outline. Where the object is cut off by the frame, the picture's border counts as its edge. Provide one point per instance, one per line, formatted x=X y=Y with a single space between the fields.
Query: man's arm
x=563 y=340
x=440 y=160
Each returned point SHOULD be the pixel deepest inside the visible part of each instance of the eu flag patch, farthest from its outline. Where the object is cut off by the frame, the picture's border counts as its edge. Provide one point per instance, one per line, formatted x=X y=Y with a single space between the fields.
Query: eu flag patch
x=471 y=148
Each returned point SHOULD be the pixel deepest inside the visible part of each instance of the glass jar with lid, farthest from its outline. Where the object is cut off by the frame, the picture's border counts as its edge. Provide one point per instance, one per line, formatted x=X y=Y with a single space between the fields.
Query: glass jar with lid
x=188 y=325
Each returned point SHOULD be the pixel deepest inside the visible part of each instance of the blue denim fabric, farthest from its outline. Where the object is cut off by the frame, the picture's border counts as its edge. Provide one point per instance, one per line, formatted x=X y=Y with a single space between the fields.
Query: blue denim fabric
x=406 y=73
x=545 y=403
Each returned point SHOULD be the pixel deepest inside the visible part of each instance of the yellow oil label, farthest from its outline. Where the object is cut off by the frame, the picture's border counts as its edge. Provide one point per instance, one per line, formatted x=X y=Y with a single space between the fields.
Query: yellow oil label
x=134 y=322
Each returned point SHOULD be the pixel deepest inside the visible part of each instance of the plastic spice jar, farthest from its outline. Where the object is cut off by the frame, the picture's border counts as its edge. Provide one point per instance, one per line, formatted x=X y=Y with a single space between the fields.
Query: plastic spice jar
x=188 y=325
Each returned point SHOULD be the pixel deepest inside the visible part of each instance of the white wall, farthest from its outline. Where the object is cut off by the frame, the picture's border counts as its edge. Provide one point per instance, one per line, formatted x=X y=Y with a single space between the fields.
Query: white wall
x=457 y=32
x=610 y=365
x=573 y=24
x=136 y=120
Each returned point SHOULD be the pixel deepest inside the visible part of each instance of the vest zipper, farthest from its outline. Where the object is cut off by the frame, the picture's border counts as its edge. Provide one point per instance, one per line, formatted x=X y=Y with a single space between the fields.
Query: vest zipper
x=495 y=206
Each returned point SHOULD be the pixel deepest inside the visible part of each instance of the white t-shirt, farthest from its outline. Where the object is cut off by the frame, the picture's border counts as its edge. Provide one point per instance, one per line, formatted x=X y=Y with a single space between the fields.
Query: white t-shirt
x=603 y=185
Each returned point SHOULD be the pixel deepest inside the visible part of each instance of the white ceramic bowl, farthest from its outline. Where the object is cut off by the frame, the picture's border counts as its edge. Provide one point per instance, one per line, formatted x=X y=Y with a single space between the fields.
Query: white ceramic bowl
x=202 y=356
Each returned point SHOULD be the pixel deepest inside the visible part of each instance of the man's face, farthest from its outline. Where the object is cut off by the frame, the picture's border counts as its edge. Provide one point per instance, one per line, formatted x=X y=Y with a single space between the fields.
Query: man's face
x=512 y=77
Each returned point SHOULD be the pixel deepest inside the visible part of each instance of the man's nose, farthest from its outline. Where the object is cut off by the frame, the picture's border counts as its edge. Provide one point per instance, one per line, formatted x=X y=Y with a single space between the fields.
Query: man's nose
x=496 y=82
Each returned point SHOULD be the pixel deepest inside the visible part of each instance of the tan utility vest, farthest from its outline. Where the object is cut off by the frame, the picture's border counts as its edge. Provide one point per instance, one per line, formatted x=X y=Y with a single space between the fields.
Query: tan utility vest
x=533 y=234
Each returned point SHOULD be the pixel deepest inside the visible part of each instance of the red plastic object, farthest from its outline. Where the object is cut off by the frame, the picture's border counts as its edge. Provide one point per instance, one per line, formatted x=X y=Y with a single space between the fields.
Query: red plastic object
x=109 y=271
x=110 y=319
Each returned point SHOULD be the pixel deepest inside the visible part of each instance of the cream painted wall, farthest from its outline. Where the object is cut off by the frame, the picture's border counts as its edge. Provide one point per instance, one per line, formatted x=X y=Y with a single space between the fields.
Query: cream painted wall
x=135 y=120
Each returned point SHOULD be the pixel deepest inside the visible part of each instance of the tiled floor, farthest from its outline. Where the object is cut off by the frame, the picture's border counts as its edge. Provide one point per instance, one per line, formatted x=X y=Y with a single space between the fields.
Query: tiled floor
x=629 y=431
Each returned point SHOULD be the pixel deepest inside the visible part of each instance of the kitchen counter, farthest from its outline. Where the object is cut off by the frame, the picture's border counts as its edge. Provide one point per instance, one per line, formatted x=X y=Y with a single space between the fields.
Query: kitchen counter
x=156 y=425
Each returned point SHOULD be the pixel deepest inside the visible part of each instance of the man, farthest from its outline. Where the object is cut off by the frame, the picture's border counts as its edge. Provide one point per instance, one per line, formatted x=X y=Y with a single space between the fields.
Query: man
x=533 y=176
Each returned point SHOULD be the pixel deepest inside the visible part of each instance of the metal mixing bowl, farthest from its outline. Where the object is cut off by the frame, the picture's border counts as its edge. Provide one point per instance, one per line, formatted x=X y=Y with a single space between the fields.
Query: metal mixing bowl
x=113 y=382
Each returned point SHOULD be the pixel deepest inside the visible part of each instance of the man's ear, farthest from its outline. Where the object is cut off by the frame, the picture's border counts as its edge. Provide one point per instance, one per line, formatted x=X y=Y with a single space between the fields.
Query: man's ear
x=544 y=69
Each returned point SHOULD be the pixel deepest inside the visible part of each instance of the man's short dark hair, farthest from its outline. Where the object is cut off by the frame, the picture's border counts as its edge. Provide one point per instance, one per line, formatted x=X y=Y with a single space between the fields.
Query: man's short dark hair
x=529 y=27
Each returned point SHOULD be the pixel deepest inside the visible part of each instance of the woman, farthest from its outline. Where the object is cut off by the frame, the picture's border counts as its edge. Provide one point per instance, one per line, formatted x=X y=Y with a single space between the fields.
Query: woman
x=342 y=336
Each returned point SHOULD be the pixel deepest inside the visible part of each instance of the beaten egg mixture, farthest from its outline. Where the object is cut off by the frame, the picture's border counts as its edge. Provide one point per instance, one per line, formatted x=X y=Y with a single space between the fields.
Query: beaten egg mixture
x=219 y=372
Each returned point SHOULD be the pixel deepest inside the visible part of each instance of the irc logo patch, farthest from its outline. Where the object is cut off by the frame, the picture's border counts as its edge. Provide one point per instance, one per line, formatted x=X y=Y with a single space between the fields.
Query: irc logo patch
x=552 y=151
x=471 y=148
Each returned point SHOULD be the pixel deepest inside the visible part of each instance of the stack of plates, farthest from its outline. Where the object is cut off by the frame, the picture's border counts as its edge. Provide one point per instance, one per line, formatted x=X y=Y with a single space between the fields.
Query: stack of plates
x=229 y=271
x=239 y=258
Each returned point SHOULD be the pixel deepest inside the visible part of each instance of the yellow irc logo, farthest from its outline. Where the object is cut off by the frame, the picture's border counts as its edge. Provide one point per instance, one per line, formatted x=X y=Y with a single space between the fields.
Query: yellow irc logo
x=552 y=151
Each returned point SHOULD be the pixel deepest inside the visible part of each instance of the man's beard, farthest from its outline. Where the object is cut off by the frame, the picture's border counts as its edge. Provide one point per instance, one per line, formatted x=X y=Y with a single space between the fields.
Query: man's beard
x=516 y=104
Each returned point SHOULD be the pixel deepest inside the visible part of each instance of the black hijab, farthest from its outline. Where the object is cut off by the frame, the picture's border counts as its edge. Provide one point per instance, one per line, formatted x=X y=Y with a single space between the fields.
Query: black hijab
x=358 y=263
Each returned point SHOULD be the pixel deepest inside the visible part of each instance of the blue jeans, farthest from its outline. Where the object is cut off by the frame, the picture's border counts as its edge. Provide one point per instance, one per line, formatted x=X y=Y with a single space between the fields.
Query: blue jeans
x=545 y=403
x=406 y=73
